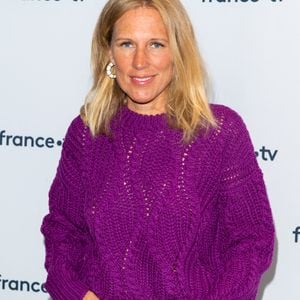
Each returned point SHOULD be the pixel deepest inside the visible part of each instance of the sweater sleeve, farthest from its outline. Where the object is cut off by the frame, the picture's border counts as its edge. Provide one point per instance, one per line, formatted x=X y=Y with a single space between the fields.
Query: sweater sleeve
x=245 y=214
x=63 y=228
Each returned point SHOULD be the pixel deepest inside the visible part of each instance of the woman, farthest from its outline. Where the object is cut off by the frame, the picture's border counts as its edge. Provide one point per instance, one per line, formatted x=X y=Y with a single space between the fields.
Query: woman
x=158 y=195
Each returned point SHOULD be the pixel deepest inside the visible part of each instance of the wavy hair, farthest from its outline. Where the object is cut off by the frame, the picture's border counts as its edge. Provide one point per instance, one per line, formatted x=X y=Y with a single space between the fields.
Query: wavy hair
x=187 y=105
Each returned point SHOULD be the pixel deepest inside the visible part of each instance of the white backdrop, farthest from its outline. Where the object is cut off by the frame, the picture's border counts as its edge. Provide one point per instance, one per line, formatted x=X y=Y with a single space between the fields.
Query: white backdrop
x=251 y=48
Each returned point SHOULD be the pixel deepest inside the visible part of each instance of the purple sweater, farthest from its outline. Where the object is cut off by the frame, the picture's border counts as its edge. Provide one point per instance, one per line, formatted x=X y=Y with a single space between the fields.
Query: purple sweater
x=140 y=215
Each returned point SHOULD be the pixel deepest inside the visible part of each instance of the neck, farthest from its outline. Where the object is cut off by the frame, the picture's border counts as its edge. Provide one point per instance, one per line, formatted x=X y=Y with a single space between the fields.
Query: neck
x=146 y=108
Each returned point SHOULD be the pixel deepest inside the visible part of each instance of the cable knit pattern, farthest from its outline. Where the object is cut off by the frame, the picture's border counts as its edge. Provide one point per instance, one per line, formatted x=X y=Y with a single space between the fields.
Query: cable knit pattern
x=139 y=215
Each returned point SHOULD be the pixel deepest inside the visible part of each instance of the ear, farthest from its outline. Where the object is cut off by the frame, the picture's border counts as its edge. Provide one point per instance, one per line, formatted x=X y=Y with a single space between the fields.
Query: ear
x=110 y=54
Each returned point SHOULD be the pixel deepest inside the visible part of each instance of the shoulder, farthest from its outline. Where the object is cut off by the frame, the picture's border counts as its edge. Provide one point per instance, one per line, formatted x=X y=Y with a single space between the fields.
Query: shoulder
x=233 y=134
x=231 y=130
x=76 y=134
x=225 y=114
x=229 y=121
x=76 y=125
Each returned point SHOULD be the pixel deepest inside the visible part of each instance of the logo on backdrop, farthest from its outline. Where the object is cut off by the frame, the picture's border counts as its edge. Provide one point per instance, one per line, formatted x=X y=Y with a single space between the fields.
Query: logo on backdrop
x=53 y=0
x=236 y=1
x=27 y=141
x=203 y=1
x=296 y=234
x=21 y=285
x=266 y=154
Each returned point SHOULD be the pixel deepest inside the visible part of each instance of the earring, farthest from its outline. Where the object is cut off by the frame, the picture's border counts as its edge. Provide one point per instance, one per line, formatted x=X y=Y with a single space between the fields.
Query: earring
x=109 y=71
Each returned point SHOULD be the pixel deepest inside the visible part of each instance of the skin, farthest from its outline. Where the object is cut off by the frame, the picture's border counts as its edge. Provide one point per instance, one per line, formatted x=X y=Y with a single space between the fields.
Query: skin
x=90 y=296
x=143 y=61
x=143 y=64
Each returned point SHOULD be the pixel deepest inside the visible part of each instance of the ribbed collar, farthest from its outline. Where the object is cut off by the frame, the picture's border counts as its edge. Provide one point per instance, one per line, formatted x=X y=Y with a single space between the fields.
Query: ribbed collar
x=134 y=120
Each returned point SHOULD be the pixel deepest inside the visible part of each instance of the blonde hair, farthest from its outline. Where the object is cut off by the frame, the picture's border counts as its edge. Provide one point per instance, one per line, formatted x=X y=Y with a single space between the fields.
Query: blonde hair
x=187 y=104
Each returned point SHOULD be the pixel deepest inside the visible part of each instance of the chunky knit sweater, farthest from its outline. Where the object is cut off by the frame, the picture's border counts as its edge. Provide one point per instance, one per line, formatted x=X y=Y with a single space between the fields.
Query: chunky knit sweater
x=140 y=215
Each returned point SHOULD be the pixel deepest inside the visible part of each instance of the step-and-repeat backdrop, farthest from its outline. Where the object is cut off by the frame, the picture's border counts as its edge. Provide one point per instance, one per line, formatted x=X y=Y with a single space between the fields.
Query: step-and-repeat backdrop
x=251 y=48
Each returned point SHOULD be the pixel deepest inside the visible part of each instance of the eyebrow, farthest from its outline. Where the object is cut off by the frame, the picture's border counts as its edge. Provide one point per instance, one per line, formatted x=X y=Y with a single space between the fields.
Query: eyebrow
x=153 y=39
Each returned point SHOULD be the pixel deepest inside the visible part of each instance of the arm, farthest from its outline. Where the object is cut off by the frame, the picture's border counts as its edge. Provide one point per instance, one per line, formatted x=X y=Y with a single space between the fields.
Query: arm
x=246 y=219
x=64 y=230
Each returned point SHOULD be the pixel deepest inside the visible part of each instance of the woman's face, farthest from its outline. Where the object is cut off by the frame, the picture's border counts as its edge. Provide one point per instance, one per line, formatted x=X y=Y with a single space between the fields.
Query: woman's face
x=142 y=56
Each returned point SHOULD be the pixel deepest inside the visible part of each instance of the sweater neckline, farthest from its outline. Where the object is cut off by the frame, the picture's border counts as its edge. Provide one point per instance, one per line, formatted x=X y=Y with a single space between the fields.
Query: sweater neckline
x=130 y=118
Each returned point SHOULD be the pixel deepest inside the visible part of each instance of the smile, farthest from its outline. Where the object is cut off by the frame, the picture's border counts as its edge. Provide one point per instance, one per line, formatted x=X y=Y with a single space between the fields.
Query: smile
x=142 y=80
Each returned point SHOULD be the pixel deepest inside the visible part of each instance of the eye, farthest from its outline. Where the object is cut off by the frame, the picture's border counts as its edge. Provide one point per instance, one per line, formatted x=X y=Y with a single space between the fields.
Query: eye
x=126 y=45
x=156 y=45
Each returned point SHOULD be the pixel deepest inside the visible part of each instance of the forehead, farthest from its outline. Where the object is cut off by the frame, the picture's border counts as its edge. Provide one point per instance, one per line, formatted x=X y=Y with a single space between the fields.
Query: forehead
x=140 y=22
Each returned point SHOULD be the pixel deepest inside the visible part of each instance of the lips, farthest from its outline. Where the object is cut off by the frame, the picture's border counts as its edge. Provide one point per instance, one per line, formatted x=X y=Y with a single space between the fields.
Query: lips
x=142 y=80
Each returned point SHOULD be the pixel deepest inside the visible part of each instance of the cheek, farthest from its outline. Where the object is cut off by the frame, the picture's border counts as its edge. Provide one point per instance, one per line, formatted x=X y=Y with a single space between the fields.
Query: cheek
x=168 y=70
x=121 y=66
x=121 y=61
x=164 y=64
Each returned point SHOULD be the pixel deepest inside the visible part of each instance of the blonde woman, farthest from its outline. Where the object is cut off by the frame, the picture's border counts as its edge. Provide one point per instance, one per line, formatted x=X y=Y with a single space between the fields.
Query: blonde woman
x=158 y=194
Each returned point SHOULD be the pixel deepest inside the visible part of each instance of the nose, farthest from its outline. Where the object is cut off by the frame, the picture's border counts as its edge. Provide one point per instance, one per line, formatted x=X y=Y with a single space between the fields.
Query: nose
x=140 y=59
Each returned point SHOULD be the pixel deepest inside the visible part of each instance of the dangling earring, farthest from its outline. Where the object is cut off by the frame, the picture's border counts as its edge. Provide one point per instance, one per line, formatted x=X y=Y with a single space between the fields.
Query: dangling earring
x=109 y=71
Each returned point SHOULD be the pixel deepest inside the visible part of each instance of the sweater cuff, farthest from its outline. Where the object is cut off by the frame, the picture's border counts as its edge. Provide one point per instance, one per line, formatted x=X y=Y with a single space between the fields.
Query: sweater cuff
x=61 y=287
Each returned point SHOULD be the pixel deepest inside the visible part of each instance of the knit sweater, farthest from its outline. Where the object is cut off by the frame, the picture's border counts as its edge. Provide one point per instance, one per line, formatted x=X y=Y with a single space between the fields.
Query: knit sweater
x=141 y=215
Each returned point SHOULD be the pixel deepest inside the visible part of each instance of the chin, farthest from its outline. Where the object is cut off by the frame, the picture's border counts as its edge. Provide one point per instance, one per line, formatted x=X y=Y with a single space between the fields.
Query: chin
x=141 y=100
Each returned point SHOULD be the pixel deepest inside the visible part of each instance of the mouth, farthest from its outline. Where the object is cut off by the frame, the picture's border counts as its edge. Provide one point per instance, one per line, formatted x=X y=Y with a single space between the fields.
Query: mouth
x=142 y=80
